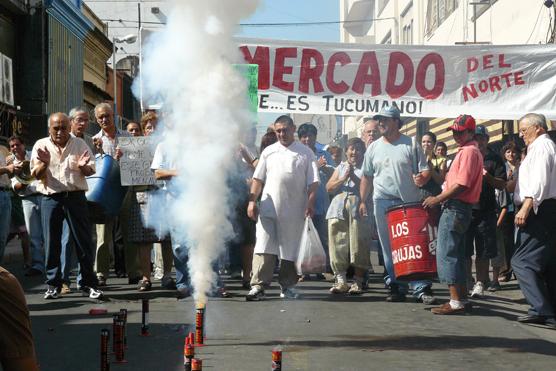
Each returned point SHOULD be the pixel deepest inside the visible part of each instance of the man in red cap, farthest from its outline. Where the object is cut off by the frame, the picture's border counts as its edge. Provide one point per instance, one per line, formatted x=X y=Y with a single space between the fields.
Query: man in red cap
x=461 y=190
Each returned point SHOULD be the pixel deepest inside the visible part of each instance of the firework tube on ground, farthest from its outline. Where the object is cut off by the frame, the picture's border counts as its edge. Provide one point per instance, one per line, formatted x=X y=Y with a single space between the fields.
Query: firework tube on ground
x=123 y=317
x=188 y=354
x=277 y=359
x=145 y=317
x=120 y=357
x=104 y=340
x=196 y=364
x=115 y=318
x=200 y=324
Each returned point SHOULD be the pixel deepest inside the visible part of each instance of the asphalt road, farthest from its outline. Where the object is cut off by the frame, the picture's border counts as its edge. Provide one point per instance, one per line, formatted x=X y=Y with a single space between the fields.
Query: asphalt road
x=317 y=332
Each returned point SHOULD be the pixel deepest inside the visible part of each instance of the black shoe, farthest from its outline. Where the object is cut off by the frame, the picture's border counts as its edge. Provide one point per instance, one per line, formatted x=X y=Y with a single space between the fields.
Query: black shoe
x=101 y=281
x=32 y=272
x=395 y=297
x=320 y=277
x=133 y=280
x=532 y=318
x=550 y=322
x=183 y=292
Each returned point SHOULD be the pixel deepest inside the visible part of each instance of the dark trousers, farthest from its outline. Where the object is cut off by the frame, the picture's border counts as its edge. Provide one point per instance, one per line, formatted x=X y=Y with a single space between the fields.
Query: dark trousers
x=234 y=250
x=534 y=260
x=119 y=249
x=73 y=207
x=508 y=234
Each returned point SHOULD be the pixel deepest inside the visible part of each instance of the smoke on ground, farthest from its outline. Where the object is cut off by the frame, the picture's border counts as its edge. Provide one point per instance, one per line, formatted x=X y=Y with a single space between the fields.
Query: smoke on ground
x=188 y=67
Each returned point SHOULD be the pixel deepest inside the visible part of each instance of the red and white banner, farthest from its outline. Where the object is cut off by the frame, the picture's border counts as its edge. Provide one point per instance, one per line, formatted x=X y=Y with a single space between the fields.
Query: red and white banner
x=486 y=81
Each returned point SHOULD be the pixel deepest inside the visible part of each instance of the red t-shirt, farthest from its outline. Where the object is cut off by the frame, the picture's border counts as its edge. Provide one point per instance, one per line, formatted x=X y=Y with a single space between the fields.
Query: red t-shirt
x=467 y=170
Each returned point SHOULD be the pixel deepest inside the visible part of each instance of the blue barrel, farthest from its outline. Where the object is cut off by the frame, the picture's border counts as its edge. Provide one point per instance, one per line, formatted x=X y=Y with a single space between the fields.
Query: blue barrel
x=105 y=187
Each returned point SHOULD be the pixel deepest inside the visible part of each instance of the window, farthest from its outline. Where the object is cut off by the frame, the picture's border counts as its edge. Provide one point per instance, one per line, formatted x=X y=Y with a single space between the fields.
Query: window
x=438 y=11
x=387 y=39
x=407 y=33
x=480 y=9
x=381 y=5
x=407 y=25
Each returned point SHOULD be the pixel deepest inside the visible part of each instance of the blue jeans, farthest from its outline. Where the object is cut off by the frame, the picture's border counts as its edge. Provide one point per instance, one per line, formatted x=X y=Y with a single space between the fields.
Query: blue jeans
x=67 y=259
x=450 y=245
x=180 y=263
x=5 y=217
x=418 y=287
x=71 y=206
x=32 y=214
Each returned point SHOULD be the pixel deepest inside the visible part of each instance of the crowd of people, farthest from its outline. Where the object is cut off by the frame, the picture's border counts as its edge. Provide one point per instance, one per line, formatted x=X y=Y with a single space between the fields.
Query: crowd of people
x=495 y=207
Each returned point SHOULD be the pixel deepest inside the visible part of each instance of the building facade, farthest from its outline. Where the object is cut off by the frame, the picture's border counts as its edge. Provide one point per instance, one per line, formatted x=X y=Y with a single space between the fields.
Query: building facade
x=14 y=116
x=446 y=22
x=98 y=49
x=129 y=17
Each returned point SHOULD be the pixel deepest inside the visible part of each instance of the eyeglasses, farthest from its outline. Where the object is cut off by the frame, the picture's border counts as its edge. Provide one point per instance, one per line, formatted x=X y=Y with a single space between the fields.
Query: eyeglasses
x=524 y=130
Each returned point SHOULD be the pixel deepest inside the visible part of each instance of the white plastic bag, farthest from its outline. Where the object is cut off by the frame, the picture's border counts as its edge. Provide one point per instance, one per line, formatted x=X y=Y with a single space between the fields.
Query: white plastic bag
x=311 y=257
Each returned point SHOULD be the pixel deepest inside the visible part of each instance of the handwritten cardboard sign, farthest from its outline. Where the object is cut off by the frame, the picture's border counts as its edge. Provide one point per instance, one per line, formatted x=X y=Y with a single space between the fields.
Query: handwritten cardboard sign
x=135 y=164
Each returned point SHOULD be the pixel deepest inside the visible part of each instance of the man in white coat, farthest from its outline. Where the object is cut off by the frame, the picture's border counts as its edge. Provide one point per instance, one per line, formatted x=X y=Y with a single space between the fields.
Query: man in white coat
x=289 y=173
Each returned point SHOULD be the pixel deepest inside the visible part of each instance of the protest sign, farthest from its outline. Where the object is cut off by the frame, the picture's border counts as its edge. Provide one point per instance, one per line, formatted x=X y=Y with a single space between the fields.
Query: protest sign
x=251 y=73
x=487 y=81
x=135 y=164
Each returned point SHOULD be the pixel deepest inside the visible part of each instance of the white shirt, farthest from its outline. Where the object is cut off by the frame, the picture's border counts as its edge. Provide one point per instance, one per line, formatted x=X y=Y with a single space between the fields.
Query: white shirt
x=162 y=161
x=63 y=173
x=537 y=173
x=286 y=173
x=109 y=145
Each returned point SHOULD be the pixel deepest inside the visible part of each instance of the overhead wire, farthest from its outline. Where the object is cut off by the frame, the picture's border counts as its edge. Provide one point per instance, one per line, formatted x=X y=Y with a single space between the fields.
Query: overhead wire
x=535 y=26
x=278 y=24
x=551 y=27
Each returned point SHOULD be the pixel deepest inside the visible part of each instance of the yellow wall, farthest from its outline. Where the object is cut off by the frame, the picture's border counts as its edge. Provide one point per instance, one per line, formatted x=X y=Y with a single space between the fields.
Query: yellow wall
x=439 y=127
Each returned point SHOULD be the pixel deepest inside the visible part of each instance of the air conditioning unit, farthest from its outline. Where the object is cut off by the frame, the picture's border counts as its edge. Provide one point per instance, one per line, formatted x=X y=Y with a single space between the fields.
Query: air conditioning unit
x=7 y=80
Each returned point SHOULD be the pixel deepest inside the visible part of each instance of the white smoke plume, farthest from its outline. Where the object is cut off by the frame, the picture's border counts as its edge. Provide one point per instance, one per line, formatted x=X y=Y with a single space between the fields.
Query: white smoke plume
x=188 y=68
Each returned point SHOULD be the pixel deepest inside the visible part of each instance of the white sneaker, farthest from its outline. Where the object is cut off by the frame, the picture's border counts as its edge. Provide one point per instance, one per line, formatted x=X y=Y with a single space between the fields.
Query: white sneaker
x=158 y=274
x=51 y=293
x=255 y=294
x=92 y=293
x=355 y=289
x=340 y=285
x=339 y=288
x=478 y=290
x=289 y=293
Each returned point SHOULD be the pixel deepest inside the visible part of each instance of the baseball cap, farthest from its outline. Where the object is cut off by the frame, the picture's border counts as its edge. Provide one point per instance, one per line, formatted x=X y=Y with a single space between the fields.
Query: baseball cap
x=462 y=123
x=481 y=130
x=390 y=111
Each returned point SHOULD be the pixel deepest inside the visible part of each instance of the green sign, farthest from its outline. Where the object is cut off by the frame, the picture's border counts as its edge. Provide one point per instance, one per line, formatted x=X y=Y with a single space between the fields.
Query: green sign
x=251 y=74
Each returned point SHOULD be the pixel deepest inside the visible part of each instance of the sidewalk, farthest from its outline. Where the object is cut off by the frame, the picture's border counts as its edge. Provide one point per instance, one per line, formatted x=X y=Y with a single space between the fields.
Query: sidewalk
x=317 y=332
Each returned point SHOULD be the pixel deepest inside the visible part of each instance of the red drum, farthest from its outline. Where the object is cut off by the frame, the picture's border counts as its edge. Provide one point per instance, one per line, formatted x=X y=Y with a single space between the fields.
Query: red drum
x=413 y=231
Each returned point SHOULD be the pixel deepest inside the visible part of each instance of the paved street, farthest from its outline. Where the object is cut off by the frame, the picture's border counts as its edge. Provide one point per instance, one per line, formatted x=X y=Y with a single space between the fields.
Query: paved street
x=319 y=332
